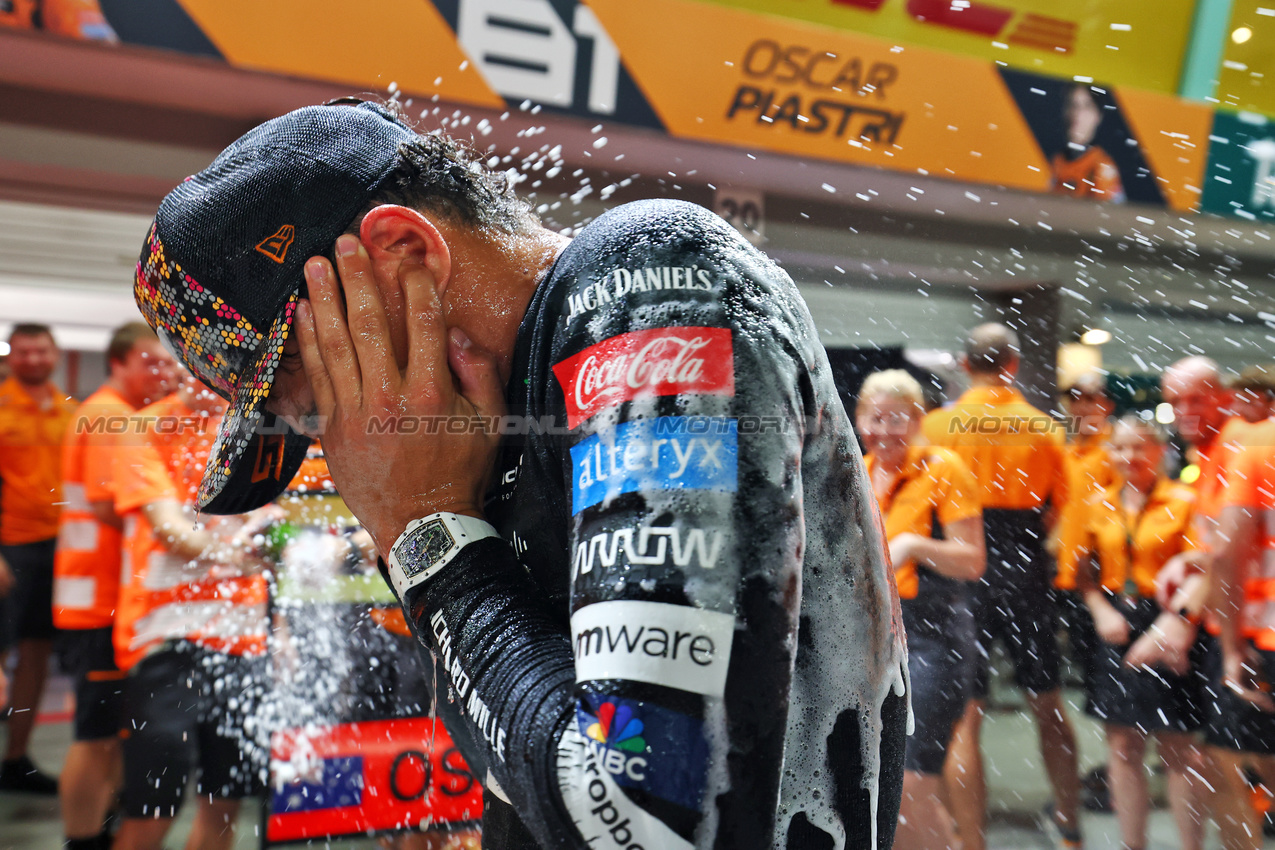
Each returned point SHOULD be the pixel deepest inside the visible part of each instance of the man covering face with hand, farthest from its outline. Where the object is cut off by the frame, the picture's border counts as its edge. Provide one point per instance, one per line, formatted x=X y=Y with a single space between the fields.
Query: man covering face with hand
x=611 y=479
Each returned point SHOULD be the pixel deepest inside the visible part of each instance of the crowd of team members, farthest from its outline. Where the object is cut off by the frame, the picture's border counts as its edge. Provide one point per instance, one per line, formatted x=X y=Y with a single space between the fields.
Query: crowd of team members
x=1005 y=523
x=999 y=526
x=160 y=616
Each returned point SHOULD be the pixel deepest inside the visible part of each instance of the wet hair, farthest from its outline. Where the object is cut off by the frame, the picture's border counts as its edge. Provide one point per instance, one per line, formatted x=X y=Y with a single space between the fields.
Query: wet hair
x=991 y=348
x=125 y=337
x=444 y=176
x=894 y=383
x=30 y=329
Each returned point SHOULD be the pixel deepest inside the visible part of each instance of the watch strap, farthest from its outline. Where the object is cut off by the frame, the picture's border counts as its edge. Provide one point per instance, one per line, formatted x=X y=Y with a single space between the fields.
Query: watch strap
x=430 y=543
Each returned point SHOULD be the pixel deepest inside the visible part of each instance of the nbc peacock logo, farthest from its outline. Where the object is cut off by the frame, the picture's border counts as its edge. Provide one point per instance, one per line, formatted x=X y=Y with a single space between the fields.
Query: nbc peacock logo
x=616 y=727
x=614 y=734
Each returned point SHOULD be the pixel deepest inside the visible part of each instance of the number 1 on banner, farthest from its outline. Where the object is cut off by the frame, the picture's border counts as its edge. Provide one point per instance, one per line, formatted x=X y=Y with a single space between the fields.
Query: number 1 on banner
x=744 y=210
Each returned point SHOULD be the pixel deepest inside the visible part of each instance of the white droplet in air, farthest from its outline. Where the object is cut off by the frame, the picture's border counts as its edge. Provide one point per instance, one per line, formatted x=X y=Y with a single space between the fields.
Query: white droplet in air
x=600 y=142
x=827 y=187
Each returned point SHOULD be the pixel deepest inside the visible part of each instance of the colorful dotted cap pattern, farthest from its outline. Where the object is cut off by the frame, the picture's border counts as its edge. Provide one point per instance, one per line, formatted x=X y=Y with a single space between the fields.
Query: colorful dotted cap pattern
x=221 y=272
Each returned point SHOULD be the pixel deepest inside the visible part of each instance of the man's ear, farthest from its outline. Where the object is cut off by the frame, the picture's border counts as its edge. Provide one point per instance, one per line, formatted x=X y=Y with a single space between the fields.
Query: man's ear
x=396 y=234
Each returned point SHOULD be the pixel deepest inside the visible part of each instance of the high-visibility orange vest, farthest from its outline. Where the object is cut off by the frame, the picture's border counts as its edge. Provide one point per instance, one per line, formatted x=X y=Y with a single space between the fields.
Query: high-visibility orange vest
x=86 y=572
x=163 y=597
x=1250 y=483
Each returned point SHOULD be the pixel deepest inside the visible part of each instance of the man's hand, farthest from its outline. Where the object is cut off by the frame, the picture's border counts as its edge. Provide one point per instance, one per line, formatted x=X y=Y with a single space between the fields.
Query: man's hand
x=1239 y=673
x=401 y=442
x=1174 y=574
x=1167 y=643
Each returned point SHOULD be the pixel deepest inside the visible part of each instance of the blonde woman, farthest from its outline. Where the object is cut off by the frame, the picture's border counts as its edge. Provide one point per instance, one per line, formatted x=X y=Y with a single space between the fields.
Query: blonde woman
x=934 y=526
x=1134 y=527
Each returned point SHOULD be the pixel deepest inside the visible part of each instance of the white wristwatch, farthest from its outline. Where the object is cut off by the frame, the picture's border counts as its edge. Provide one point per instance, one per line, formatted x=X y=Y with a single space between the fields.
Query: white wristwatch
x=429 y=544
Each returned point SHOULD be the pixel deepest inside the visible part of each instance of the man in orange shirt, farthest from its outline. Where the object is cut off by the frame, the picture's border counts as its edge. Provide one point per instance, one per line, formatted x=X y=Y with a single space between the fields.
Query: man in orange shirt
x=34 y=417
x=1016 y=453
x=86 y=573
x=1089 y=472
x=1241 y=666
x=190 y=631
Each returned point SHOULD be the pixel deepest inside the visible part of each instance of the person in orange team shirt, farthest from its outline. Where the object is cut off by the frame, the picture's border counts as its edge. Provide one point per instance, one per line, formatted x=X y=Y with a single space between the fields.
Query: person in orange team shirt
x=1201 y=402
x=86 y=575
x=190 y=631
x=1133 y=528
x=1089 y=472
x=934 y=523
x=1082 y=169
x=34 y=417
x=1241 y=662
x=1016 y=454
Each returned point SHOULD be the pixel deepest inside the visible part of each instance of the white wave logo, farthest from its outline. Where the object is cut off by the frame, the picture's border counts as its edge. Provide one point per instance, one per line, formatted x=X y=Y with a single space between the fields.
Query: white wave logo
x=662 y=360
x=651 y=548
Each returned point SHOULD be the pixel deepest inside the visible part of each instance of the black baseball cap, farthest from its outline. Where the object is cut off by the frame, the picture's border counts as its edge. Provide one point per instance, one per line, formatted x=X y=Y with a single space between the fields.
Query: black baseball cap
x=221 y=272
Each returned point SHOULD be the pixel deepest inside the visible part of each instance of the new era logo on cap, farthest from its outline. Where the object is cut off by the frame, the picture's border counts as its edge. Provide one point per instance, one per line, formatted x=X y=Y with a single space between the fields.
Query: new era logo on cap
x=275 y=246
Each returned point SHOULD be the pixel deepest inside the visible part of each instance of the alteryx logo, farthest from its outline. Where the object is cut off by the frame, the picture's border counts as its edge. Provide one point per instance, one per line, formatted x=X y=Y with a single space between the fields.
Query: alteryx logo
x=666 y=453
x=645 y=746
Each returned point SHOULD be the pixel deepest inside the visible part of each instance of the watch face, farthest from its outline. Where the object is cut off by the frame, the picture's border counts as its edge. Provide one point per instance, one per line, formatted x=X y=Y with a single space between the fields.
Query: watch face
x=424 y=547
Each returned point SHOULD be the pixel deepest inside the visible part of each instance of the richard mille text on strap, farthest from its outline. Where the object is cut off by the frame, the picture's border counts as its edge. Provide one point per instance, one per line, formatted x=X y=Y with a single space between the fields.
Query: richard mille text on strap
x=429 y=544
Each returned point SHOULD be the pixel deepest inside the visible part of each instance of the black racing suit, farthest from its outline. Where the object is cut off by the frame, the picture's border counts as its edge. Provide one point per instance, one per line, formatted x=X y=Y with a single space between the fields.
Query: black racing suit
x=687 y=634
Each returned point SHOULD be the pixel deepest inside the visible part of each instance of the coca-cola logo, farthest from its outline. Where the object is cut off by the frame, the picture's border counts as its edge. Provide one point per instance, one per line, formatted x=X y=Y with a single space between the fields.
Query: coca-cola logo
x=661 y=361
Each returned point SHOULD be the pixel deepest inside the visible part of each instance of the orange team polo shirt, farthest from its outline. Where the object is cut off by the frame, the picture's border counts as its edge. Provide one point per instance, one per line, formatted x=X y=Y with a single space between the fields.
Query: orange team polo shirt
x=1213 y=461
x=1014 y=450
x=933 y=482
x=1089 y=473
x=163 y=597
x=1250 y=483
x=1159 y=531
x=31 y=463
x=86 y=572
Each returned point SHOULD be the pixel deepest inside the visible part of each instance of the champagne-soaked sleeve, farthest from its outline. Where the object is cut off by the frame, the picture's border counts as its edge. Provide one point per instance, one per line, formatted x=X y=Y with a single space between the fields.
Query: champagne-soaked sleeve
x=654 y=712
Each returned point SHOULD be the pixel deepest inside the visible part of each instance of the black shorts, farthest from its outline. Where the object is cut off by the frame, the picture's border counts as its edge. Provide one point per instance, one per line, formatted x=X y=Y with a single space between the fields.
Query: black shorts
x=1234 y=723
x=1014 y=602
x=940 y=670
x=28 y=609
x=1146 y=700
x=1083 y=639
x=189 y=708
x=89 y=656
x=1022 y=616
